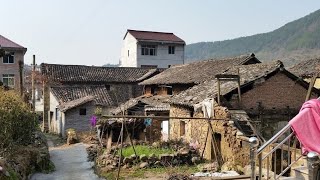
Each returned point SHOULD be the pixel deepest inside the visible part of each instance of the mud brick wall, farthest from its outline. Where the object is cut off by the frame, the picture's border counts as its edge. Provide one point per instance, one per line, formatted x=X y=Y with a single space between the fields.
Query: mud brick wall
x=175 y=124
x=278 y=92
x=232 y=148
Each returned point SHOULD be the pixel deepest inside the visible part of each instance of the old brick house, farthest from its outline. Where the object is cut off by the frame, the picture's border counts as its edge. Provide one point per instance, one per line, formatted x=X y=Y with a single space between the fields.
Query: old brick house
x=11 y=64
x=181 y=77
x=72 y=92
x=159 y=88
x=269 y=94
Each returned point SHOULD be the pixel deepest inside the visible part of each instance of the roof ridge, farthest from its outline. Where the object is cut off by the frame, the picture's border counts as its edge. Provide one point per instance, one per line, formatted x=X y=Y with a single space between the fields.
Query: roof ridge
x=149 y=31
x=105 y=67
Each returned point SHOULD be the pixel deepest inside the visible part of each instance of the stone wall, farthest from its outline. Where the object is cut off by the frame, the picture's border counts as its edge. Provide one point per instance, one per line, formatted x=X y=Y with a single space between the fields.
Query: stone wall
x=233 y=147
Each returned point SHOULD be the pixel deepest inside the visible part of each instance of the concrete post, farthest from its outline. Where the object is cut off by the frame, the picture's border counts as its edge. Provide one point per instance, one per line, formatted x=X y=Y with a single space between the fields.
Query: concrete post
x=254 y=143
x=313 y=165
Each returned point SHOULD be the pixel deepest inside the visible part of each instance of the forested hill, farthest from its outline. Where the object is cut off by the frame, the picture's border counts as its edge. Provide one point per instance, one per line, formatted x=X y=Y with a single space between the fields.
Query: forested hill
x=291 y=43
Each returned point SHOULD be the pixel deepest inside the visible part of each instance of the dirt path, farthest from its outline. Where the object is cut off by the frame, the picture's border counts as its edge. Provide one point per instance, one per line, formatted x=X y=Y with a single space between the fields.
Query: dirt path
x=70 y=162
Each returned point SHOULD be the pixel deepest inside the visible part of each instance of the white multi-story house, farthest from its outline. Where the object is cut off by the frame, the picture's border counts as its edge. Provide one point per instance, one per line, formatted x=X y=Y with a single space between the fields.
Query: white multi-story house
x=151 y=49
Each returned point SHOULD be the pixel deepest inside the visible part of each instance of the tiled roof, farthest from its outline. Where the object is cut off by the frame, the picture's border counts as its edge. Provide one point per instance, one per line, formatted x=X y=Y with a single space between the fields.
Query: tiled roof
x=7 y=43
x=151 y=103
x=154 y=36
x=197 y=72
x=86 y=74
x=306 y=68
x=72 y=104
x=65 y=94
x=208 y=89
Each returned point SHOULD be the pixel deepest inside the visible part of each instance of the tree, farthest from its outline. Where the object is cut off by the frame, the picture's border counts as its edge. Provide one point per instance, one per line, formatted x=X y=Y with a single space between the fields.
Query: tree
x=18 y=123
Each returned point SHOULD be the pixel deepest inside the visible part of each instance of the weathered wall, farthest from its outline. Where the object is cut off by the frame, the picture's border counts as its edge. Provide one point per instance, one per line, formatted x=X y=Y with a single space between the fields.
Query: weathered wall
x=273 y=102
x=123 y=92
x=54 y=115
x=232 y=147
x=277 y=92
x=79 y=122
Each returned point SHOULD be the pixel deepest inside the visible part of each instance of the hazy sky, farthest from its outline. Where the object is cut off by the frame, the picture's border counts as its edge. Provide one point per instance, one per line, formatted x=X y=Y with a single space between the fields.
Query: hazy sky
x=90 y=32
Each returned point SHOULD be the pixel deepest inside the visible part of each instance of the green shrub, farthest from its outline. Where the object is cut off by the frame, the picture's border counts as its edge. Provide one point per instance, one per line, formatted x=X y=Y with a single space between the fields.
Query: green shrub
x=17 y=122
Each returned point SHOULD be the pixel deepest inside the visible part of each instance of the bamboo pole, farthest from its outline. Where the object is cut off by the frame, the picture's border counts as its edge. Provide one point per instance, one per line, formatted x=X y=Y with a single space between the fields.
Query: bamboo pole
x=158 y=117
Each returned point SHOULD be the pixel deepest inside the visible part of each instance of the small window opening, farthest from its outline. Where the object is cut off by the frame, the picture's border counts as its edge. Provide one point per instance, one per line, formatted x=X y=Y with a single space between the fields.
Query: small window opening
x=83 y=111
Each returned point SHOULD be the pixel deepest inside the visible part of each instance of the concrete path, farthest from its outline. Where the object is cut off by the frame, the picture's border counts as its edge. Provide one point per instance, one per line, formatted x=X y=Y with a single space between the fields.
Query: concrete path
x=70 y=162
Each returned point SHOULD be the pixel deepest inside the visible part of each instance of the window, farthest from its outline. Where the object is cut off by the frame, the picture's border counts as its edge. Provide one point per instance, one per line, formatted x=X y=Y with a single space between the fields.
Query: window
x=182 y=128
x=8 y=79
x=169 y=91
x=171 y=50
x=150 y=50
x=83 y=111
x=8 y=58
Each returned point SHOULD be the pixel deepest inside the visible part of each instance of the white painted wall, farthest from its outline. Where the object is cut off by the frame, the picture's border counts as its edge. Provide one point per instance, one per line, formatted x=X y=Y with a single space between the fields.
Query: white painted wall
x=56 y=121
x=129 y=43
x=163 y=59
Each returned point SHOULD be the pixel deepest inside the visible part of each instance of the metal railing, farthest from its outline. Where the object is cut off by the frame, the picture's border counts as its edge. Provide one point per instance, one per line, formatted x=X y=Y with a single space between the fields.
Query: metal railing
x=285 y=143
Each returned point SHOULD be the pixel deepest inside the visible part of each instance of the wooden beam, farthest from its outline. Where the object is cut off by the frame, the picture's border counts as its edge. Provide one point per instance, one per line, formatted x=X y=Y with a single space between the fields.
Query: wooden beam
x=219 y=91
x=227 y=76
x=311 y=84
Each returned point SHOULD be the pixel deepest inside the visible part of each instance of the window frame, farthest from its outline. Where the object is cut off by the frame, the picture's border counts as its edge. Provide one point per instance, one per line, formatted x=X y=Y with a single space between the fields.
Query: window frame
x=8 y=77
x=6 y=58
x=149 y=50
x=171 y=49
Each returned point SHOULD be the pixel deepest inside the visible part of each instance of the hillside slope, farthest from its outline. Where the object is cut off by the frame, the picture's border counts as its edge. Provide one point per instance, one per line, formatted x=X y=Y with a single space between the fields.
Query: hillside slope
x=293 y=42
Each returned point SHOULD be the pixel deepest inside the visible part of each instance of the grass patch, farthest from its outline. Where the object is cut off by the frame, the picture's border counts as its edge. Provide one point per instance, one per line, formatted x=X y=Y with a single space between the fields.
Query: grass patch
x=147 y=150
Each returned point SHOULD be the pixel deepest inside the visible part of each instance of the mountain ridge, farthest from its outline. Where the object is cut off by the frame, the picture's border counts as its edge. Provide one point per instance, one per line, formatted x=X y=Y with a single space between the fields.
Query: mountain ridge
x=293 y=42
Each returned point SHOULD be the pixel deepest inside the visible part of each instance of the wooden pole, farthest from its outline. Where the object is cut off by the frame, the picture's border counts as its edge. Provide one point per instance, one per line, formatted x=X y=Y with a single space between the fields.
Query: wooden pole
x=205 y=143
x=219 y=92
x=119 y=164
x=158 y=117
x=33 y=83
x=21 y=77
x=239 y=86
x=134 y=150
x=311 y=84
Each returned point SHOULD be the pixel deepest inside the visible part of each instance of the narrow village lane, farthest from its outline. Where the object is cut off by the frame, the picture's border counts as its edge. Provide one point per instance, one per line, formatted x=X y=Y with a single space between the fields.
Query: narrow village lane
x=70 y=163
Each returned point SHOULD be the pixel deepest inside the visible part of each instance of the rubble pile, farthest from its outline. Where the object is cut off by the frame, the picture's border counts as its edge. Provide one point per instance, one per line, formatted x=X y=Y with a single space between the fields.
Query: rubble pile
x=109 y=160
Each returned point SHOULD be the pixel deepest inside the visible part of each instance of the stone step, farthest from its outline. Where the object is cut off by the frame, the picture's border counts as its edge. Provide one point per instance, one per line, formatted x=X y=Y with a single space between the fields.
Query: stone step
x=300 y=172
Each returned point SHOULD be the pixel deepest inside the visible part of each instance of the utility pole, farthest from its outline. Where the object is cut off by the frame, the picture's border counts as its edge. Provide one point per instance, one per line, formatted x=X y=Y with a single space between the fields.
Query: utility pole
x=33 y=83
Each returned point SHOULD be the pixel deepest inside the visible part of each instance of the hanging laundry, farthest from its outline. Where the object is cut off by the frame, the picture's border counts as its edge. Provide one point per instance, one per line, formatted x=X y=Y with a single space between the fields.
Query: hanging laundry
x=148 y=121
x=207 y=107
x=93 y=121
x=306 y=126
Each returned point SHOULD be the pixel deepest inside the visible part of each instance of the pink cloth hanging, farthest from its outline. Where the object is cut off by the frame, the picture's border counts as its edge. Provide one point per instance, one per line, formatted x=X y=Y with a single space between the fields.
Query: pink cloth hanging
x=306 y=126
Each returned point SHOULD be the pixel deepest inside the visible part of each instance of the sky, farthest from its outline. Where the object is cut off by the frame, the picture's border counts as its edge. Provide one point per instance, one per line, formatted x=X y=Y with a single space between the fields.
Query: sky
x=90 y=32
